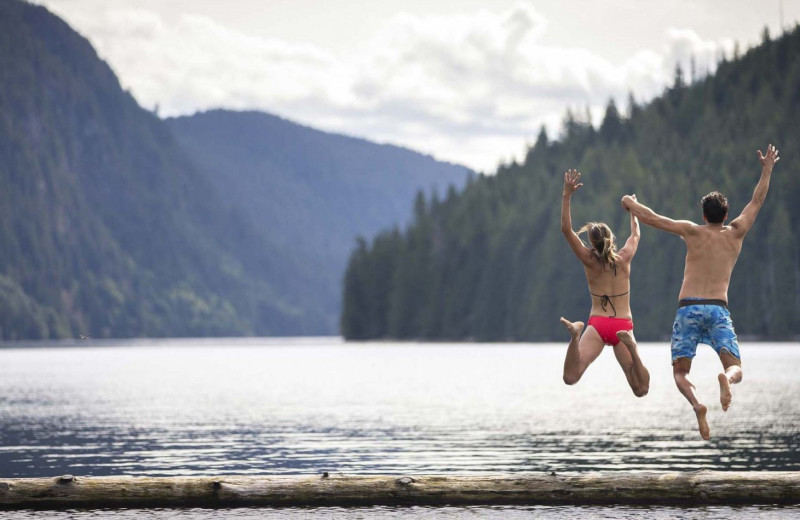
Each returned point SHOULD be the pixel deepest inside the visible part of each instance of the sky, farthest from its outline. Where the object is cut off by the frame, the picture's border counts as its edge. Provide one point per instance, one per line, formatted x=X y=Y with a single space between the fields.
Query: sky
x=465 y=81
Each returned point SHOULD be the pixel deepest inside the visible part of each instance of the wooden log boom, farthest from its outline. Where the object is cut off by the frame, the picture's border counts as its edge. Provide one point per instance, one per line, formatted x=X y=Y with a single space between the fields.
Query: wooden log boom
x=664 y=488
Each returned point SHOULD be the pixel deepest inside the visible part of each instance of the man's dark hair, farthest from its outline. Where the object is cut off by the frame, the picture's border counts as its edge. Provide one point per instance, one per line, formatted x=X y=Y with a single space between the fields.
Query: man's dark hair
x=715 y=207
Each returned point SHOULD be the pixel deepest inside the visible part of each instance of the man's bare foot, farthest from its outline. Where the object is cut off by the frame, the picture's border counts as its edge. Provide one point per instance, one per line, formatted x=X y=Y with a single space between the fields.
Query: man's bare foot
x=574 y=327
x=725 y=395
x=700 y=412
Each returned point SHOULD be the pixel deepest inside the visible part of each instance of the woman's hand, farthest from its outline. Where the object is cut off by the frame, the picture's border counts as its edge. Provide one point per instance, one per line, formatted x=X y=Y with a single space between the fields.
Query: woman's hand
x=571 y=184
x=627 y=200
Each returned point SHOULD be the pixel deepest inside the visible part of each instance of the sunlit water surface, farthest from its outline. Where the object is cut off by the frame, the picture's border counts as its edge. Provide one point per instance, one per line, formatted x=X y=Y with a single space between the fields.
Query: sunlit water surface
x=300 y=406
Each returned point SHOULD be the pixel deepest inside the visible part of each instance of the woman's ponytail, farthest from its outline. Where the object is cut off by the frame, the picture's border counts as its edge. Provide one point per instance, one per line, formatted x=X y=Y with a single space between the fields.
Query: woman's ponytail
x=602 y=242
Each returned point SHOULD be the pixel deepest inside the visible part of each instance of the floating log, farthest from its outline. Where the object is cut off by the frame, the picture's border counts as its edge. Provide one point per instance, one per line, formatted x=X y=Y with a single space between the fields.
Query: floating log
x=664 y=488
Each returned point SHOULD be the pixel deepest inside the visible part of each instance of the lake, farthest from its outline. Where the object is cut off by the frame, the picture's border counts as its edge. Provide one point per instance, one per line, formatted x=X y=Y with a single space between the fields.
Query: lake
x=308 y=405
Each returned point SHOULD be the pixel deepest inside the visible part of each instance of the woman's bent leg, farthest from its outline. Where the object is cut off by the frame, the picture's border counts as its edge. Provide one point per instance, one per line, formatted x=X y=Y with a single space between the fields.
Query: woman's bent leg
x=582 y=350
x=627 y=353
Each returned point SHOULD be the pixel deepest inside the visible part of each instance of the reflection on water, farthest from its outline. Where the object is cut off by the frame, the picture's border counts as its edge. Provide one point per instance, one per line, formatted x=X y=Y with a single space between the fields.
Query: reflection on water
x=183 y=407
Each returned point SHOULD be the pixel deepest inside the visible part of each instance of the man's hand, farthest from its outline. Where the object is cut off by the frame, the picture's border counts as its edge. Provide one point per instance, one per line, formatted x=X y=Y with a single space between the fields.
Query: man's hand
x=747 y=218
x=571 y=184
x=769 y=160
x=626 y=201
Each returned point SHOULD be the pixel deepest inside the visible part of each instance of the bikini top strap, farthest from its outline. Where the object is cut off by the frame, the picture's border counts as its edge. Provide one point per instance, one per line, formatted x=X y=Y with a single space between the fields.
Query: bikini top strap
x=605 y=300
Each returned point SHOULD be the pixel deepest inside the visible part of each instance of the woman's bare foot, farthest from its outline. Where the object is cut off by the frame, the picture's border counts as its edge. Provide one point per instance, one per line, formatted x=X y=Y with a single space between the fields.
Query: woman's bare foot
x=700 y=412
x=625 y=337
x=574 y=327
x=725 y=395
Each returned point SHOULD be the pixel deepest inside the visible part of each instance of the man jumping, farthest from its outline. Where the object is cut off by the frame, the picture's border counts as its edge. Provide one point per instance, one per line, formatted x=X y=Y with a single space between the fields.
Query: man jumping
x=711 y=252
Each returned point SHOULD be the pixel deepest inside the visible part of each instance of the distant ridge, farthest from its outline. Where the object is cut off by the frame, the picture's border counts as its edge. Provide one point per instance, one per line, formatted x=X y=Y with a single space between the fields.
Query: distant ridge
x=310 y=192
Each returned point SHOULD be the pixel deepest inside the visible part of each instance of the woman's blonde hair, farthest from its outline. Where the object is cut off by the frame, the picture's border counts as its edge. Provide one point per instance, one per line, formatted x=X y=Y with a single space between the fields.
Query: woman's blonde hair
x=602 y=242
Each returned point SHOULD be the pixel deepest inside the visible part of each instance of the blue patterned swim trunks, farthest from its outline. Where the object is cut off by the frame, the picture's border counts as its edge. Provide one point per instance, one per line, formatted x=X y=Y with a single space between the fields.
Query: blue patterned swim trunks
x=703 y=322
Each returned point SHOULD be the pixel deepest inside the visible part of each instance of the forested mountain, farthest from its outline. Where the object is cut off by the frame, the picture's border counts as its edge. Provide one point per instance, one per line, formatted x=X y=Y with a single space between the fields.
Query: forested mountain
x=491 y=263
x=108 y=225
x=310 y=193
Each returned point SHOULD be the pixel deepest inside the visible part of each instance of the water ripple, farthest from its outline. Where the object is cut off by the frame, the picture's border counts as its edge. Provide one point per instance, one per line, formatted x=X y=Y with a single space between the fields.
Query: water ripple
x=272 y=408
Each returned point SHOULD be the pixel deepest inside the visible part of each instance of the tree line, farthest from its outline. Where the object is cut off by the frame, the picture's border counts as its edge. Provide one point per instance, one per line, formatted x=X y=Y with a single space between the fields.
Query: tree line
x=489 y=263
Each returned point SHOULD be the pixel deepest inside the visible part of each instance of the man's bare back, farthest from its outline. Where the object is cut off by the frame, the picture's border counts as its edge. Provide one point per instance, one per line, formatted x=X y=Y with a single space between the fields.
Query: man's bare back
x=711 y=253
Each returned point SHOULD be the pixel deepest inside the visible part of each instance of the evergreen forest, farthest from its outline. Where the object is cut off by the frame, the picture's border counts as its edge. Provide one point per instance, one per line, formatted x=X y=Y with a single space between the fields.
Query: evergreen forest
x=490 y=263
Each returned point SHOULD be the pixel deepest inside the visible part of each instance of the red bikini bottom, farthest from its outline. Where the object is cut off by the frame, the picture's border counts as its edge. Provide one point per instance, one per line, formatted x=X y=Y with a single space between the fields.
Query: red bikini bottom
x=608 y=327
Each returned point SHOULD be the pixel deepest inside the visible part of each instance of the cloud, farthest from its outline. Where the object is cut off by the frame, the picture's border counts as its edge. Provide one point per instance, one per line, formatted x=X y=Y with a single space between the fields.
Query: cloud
x=470 y=88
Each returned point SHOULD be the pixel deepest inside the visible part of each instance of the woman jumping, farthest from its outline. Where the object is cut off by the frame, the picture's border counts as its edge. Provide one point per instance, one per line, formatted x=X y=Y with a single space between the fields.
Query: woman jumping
x=608 y=274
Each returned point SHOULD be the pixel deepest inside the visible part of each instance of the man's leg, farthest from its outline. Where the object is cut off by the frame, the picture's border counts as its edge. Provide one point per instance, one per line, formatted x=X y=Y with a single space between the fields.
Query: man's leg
x=628 y=358
x=680 y=371
x=582 y=350
x=731 y=376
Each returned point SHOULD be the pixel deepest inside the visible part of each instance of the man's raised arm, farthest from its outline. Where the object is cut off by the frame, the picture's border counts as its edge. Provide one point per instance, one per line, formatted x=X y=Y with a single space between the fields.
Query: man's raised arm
x=651 y=218
x=747 y=218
